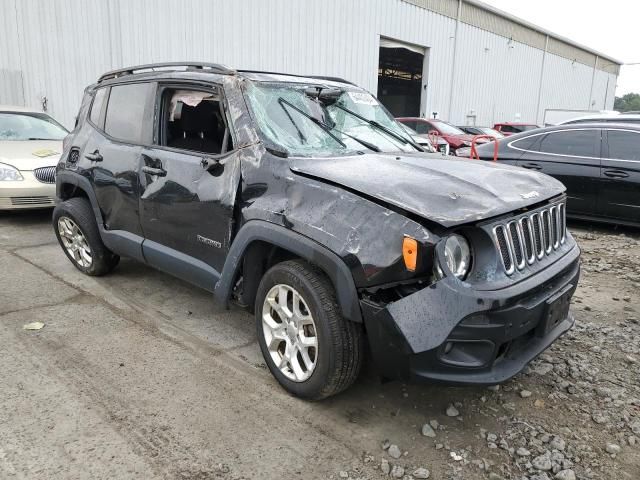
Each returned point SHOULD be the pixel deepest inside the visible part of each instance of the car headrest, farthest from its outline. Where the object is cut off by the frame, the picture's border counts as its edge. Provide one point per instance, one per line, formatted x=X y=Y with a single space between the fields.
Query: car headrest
x=198 y=119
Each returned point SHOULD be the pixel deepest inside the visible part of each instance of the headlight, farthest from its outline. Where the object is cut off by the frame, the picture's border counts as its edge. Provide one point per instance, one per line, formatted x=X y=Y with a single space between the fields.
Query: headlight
x=9 y=173
x=457 y=254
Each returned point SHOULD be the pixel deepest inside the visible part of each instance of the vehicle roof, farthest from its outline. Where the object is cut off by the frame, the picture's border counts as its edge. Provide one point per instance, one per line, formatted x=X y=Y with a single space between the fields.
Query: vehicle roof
x=16 y=108
x=581 y=126
x=207 y=71
x=616 y=116
x=515 y=123
x=420 y=118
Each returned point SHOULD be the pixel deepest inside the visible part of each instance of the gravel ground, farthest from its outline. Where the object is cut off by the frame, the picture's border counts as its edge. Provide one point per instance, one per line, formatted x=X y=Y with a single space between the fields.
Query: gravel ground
x=139 y=375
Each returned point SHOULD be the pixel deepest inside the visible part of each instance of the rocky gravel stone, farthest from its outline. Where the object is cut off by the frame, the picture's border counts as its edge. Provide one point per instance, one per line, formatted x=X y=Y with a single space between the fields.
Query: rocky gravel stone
x=397 y=471
x=427 y=431
x=421 y=473
x=452 y=411
x=394 y=451
x=542 y=462
x=565 y=475
x=612 y=448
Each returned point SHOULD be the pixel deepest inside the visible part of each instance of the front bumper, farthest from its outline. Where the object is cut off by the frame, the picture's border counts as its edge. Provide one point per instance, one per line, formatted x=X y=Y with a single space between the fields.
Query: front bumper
x=27 y=193
x=450 y=332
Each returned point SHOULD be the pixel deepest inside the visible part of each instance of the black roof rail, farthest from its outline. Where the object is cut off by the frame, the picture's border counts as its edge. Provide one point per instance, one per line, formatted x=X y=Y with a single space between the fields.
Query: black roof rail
x=316 y=77
x=212 y=67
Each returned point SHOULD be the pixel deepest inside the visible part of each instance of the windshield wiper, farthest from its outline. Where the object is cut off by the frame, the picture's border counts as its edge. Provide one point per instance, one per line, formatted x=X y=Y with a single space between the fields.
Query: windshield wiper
x=381 y=127
x=328 y=128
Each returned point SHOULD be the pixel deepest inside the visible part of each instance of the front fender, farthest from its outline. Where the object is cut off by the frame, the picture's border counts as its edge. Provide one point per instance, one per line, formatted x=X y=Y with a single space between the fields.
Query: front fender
x=313 y=252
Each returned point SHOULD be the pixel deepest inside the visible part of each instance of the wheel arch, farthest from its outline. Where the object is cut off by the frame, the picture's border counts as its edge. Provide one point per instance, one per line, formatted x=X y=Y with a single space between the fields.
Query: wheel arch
x=258 y=242
x=69 y=185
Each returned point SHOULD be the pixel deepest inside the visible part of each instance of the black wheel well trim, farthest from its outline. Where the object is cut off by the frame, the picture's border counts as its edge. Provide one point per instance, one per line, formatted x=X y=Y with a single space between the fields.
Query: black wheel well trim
x=278 y=236
x=64 y=177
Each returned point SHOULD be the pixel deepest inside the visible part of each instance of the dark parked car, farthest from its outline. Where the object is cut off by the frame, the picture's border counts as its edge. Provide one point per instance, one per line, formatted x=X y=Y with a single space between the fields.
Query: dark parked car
x=302 y=200
x=473 y=130
x=599 y=163
x=452 y=134
x=511 y=128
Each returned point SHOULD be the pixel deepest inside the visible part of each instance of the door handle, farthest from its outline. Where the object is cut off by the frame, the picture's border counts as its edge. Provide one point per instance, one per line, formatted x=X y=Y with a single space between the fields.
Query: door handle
x=616 y=174
x=94 y=157
x=532 y=166
x=159 y=172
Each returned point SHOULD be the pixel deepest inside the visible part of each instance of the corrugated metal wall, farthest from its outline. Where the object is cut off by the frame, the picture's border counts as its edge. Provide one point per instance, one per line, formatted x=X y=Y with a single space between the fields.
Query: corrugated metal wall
x=55 y=48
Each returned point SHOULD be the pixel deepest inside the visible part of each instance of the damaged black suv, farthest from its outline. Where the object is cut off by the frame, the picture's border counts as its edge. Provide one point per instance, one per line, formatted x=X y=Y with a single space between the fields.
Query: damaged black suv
x=302 y=200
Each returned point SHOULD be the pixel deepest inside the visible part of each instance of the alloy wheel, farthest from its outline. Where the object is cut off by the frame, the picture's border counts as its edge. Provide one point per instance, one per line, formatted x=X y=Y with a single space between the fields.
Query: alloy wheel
x=74 y=242
x=290 y=332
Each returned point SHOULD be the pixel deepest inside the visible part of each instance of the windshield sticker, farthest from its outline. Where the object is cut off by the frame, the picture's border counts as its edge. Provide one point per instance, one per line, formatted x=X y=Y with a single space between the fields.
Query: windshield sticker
x=362 y=98
x=44 y=152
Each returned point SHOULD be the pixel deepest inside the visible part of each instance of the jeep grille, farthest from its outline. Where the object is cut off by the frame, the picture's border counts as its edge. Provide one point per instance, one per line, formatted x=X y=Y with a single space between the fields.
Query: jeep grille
x=528 y=238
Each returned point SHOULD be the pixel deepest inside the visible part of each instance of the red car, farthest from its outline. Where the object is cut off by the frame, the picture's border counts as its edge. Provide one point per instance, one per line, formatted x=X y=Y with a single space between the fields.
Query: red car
x=452 y=134
x=509 y=128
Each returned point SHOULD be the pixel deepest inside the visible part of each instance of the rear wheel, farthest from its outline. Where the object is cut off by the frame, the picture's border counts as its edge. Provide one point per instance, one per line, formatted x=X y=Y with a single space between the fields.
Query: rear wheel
x=309 y=347
x=77 y=232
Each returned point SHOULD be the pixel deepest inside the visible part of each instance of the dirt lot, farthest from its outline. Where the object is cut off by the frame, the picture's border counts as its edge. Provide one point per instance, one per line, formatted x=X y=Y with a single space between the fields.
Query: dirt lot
x=139 y=375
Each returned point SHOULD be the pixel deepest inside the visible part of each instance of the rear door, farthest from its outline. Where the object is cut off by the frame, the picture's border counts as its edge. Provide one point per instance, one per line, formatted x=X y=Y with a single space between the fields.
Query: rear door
x=113 y=152
x=571 y=156
x=189 y=179
x=620 y=175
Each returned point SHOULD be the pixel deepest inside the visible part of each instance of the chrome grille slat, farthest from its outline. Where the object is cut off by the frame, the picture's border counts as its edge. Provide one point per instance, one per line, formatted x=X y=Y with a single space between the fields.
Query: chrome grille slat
x=546 y=230
x=504 y=248
x=530 y=237
x=45 y=174
x=515 y=238
x=527 y=236
x=537 y=230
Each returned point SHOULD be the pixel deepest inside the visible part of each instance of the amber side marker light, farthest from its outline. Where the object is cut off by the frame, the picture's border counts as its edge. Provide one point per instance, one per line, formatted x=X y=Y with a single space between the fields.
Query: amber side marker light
x=410 y=253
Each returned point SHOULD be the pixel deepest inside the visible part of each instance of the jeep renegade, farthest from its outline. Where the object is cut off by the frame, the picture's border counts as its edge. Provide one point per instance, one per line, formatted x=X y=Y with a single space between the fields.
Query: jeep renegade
x=302 y=200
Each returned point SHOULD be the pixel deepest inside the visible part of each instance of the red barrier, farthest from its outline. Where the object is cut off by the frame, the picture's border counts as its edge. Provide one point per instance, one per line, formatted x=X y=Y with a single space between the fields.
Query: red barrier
x=474 y=152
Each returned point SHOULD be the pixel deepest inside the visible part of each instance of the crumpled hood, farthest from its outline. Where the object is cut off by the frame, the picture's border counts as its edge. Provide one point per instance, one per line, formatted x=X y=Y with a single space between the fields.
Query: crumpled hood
x=449 y=191
x=30 y=154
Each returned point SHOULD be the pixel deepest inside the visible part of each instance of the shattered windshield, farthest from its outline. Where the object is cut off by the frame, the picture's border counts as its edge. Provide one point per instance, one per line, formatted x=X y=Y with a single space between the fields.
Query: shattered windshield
x=316 y=120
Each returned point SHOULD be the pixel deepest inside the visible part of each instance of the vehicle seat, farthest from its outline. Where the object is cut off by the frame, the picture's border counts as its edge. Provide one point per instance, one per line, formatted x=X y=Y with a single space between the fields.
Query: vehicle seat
x=198 y=125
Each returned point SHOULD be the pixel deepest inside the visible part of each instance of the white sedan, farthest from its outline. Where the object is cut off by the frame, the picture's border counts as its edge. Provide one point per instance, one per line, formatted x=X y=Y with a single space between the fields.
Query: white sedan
x=30 y=147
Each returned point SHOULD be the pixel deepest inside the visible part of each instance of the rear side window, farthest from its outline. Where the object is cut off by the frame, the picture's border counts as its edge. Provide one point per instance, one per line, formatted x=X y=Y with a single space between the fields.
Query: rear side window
x=623 y=145
x=96 y=106
x=125 y=112
x=409 y=123
x=423 y=127
x=574 y=143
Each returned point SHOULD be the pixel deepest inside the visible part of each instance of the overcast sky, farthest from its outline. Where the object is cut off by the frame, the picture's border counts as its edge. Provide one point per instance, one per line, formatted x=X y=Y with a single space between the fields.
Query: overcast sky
x=610 y=27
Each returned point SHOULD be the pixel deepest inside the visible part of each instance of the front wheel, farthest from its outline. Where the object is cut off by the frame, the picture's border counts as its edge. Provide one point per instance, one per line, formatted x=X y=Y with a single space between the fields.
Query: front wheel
x=309 y=347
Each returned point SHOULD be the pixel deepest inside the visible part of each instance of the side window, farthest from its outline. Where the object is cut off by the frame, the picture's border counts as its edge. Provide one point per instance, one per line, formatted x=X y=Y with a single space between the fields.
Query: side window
x=575 y=143
x=96 y=106
x=410 y=123
x=125 y=112
x=623 y=145
x=509 y=129
x=194 y=120
x=423 y=127
x=528 y=143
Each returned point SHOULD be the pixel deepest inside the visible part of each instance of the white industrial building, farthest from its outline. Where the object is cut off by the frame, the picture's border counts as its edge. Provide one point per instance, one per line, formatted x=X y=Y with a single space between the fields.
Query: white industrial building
x=459 y=59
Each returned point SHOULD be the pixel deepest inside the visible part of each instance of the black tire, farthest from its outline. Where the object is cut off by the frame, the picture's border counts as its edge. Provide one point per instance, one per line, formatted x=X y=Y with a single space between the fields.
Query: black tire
x=79 y=210
x=340 y=341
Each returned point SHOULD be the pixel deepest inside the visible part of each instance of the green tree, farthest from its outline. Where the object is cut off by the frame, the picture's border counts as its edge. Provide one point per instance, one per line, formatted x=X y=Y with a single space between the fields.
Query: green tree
x=628 y=102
